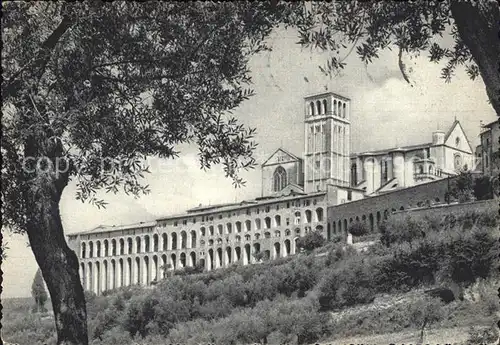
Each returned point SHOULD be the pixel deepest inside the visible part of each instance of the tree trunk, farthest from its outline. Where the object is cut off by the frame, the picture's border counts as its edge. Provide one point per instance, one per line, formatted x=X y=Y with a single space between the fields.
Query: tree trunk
x=58 y=263
x=478 y=24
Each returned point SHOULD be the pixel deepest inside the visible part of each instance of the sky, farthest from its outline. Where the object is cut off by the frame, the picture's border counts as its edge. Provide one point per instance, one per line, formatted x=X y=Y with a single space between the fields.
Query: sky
x=386 y=112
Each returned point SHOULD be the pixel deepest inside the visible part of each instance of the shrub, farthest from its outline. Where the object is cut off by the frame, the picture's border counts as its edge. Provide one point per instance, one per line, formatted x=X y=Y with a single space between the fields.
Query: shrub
x=358 y=229
x=311 y=241
x=396 y=230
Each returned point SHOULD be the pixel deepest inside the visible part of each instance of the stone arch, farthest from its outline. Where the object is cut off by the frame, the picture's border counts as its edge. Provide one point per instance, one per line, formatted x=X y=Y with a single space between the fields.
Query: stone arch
x=277 y=250
x=137 y=245
x=112 y=274
x=287 y=248
x=121 y=246
x=83 y=250
x=238 y=226
x=218 y=258
x=138 y=271
x=128 y=278
x=130 y=245
x=156 y=241
x=318 y=107
x=192 y=259
x=210 y=259
x=237 y=254
x=164 y=238
x=308 y=214
x=228 y=257
x=312 y=110
x=325 y=106
x=113 y=247
x=163 y=266
x=173 y=244
x=277 y=220
x=173 y=261
x=154 y=269
x=182 y=260
x=91 y=249
x=98 y=249
x=147 y=244
x=319 y=214
x=193 y=239
x=257 y=224
x=146 y=278
x=248 y=225
x=106 y=248
x=120 y=281
x=183 y=240
x=267 y=223
x=246 y=256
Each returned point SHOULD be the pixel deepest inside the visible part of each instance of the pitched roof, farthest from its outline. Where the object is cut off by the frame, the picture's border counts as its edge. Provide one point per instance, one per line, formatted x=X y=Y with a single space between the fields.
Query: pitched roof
x=284 y=151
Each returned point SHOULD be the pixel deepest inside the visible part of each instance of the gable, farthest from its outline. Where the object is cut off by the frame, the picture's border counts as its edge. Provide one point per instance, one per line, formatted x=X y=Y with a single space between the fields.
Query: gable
x=456 y=138
x=280 y=156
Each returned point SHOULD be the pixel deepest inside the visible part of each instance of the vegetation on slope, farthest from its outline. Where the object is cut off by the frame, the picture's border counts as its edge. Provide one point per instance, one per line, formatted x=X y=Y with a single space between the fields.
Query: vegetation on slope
x=292 y=299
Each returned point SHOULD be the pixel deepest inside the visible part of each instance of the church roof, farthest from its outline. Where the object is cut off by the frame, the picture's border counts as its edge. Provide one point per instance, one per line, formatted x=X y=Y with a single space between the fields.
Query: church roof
x=394 y=149
x=284 y=151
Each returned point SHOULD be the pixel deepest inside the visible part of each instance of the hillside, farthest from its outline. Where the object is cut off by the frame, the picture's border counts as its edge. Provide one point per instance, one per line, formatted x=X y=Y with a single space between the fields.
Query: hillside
x=386 y=291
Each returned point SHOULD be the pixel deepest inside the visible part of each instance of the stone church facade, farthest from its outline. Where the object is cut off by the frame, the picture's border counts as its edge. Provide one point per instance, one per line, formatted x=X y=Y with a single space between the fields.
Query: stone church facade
x=299 y=194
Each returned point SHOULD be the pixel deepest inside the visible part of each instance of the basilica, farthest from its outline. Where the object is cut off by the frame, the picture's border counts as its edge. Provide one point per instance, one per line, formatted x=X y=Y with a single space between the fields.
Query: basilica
x=324 y=190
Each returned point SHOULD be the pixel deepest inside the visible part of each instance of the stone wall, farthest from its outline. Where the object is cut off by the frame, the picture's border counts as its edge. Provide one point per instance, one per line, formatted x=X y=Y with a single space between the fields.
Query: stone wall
x=451 y=209
x=374 y=210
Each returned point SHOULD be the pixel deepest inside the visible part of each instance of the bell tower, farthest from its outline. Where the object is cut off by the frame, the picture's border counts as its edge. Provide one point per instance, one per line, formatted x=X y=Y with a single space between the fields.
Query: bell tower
x=327 y=138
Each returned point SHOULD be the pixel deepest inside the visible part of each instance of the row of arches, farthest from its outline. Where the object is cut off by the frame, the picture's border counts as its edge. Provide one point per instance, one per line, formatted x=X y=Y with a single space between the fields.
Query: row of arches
x=164 y=242
x=320 y=107
x=102 y=275
x=248 y=225
x=372 y=219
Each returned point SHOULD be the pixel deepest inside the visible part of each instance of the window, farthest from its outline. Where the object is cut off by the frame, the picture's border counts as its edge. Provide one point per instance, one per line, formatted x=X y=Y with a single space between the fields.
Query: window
x=184 y=222
x=312 y=110
x=349 y=195
x=457 y=142
x=458 y=162
x=175 y=223
x=279 y=179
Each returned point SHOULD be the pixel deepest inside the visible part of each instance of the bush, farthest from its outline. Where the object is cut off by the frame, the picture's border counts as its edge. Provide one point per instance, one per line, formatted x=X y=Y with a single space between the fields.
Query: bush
x=311 y=241
x=358 y=229
x=395 y=230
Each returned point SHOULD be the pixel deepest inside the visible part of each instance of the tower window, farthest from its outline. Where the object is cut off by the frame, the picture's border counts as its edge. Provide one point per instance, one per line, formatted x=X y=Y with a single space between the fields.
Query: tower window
x=318 y=106
x=312 y=110
x=335 y=107
x=279 y=179
x=325 y=106
x=343 y=110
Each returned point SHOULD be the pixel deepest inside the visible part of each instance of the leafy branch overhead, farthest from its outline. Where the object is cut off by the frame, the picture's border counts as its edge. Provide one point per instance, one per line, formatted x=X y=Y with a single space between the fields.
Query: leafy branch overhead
x=108 y=85
x=341 y=27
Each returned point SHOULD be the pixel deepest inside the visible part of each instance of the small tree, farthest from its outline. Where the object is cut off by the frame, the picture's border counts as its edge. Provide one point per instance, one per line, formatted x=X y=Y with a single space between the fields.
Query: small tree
x=312 y=240
x=483 y=188
x=358 y=229
x=462 y=188
x=38 y=292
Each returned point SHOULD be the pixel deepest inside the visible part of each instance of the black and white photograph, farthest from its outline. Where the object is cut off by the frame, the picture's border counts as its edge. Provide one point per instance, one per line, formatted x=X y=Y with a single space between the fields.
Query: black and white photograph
x=250 y=172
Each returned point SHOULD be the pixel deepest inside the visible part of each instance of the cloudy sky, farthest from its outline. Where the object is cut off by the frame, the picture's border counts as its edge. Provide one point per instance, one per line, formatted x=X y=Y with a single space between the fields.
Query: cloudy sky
x=385 y=112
